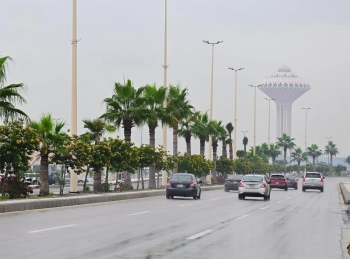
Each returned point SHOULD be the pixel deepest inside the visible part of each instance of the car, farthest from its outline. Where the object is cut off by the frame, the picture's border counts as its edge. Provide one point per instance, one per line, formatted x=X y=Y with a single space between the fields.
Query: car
x=278 y=181
x=313 y=180
x=184 y=185
x=232 y=182
x=292 y=182
x=254 y=185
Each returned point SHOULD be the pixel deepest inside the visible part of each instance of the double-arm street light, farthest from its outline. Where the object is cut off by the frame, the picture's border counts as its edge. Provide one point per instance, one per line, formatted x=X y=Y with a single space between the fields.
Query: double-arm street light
x=235 y=113
x=306 y=109
x=255 y=86
x=268 y=134
x=244 y=132
x=328 y=144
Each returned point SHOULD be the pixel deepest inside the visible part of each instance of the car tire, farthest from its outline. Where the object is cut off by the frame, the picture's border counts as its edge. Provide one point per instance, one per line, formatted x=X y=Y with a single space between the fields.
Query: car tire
x=241 y=197
x=296 y=188
x=266 y=198
x=226 y=190
x=199 y=196
x=286 y=189
x=195 y=196
x=167 y=196
x=321 y=189
x=304 y=189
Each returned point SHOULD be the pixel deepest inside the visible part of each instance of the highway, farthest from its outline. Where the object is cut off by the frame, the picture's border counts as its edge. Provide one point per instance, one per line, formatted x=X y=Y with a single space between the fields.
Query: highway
x=292 y=225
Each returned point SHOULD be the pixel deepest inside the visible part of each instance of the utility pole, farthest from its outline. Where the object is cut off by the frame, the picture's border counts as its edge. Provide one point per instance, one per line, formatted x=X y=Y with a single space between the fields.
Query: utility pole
x=306 y=109
x=328 y=144
x=255 y=86
x=268 y=134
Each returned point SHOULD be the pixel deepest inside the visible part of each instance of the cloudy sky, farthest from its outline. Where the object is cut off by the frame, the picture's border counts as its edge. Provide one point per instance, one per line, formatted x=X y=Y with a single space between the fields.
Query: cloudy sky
x=125 y=38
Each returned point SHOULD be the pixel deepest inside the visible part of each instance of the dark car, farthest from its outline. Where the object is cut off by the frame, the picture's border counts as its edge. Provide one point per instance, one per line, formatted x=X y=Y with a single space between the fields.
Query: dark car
x=278 y=181
x=184 y=185
x=232 y=182
x=292 y=182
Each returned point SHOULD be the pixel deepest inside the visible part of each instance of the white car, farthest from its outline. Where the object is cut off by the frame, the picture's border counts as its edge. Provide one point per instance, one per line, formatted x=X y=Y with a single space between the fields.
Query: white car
x=313 y=180
x=254 y=185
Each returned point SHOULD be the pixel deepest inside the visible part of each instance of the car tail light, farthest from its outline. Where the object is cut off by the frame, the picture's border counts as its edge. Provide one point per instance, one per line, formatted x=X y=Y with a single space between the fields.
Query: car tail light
x=168 y=184
x=191 y=184
x=321 y=180
x=294 y=181
x=240 y=184
x=263 y=185
x=304 y=180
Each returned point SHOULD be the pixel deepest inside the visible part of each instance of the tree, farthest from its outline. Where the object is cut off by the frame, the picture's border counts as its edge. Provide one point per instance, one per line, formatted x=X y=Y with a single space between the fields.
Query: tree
x=186 y=128
x=242 y=166
x=10 y=94
x=274 y=152
x=147 y=157
x=224 y=165
x=201 y=131
x=285 y=142
x=50 y=136
x=240 y=153
x=180 y=108
x=223 y=137
x=245 y=143
x=126 y=107
x=215 y=129
x=314 y=152
x=194 y=164
x=347 y=160
x=331 y=150
x=229 y=128
x=258 y=165
x=298 y=156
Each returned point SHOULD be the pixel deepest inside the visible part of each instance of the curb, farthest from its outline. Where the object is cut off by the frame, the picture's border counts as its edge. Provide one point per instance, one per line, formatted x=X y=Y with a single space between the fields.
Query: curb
x=44 y=203
x=346 y=194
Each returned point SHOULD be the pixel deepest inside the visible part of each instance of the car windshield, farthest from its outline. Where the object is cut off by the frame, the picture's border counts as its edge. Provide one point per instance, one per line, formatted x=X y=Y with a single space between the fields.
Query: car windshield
x=277 y=176
x=182 y=177
x=234 y=177
x=252 y=178
x=291 y=177
x=312 y=175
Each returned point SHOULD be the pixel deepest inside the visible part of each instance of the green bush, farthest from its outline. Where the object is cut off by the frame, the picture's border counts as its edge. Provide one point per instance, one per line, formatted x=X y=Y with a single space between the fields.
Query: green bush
x=106 y=187
x=87 y=188
x=14 y=187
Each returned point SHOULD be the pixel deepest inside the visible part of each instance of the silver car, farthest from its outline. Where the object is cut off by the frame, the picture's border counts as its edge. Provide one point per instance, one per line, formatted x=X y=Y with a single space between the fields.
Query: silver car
x=254 y=185
x=313 y=180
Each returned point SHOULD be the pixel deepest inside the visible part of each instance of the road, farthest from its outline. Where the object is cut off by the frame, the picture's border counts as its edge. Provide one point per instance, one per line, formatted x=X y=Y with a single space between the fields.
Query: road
x=292 y=225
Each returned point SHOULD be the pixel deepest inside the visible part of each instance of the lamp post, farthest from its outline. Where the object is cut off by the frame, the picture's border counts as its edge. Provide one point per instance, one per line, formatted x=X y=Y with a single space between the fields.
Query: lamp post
x=211 y=97
x=73 y=176
x=306 y=109
x=235 y=113
x=165 y=66
x=328 y=144
x=244 y=132
x=255 y=86
x=268 y=134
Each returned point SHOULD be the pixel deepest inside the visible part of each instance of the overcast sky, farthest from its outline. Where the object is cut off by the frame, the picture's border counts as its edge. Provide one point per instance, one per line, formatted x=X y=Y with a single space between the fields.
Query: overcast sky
x=125 y=38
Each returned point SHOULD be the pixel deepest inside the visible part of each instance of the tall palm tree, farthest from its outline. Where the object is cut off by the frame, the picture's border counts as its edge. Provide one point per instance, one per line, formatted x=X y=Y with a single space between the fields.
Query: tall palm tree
x=229 y=128
x=50 y=135
x=215 y=129
x=186 y=128
x=347 y=160
x=314 y=152
x=10 y=94
x=245 y=143
x=223 y=138
x=126 y=107
x=154 y=98
x=200 y=130
x=331 y=150
x=96 y=128
x=298 y=156
x=274 y=152
x=180 y=108
x=285 y=142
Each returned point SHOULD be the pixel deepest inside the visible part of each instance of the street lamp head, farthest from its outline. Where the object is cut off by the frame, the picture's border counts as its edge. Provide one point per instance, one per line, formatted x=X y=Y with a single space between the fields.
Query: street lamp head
x=206 y=41
x=255 y=85
x=219 y=42
x=241 y=68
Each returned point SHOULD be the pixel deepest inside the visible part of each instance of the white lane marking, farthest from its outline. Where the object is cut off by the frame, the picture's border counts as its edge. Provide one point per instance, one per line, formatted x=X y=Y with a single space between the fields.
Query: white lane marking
x=264 y=208
x=244 y=216
x=48 y=229
x=215 y=199
x=200 y=234
x=185 y=204
x=278 y=201
x=138 y=213
x=287 y=198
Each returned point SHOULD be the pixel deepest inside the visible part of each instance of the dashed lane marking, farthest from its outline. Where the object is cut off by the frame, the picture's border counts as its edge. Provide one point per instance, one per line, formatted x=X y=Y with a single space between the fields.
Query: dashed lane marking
x=48 y=229
x=200 y=234
x=138 y=213
x=244 y=216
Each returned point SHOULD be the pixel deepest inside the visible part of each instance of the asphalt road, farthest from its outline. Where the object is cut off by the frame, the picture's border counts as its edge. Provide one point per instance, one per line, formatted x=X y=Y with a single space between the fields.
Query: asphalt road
x=292 y=225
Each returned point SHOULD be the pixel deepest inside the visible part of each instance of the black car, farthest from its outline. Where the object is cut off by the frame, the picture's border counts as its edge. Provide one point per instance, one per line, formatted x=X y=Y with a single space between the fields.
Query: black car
x=184 y=185
x=232 y=182
x=292 y=182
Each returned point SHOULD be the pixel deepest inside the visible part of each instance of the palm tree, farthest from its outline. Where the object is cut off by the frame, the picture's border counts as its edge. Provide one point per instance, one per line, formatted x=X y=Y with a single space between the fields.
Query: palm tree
x=229 y=128
x=298 y=156
x=97 y=127
x=215 y=129
x=126 y=107
x=10 y=94
x=223 y=138
x=347 y=160
x=274 y=152
x=186 y=128
x=245 y=143
x=154 y=98
x=285 y=142
x=314 y=152
x=331 y=150
x=50 y=135
x=179 y=107
x=200 y=130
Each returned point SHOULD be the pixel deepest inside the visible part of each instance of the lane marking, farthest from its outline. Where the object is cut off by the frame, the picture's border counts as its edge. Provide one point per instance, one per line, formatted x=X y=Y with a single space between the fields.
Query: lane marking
x=200 y=234
x=185 y=204
x=278 y=201
x=215 y=199
x=244 y=216
x=48 y=229
x=287 y=198
x=138 y=213
x=264 y=208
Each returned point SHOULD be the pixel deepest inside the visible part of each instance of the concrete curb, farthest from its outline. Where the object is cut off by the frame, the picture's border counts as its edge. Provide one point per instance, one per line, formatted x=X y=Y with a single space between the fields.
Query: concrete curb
x=43 y=203
x=345 y=193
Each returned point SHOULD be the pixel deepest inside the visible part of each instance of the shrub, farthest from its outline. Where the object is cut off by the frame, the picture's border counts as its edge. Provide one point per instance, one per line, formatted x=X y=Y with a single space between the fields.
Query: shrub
x=14 y=187
x=106 y=187
x=87 y=188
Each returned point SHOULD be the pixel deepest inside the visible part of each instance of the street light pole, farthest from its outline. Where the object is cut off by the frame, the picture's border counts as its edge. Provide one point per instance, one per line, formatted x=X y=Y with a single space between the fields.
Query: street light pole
x=255 y=86
x=165 y=84
x=244 y=132
x=328 y=144
x=235 y=113
x=306 y=109
x=268 y=134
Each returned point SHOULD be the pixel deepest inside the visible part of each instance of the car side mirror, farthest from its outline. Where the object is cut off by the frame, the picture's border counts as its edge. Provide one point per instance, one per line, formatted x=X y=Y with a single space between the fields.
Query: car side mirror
x=200 y=181
x=268 y=182
x=323 y=177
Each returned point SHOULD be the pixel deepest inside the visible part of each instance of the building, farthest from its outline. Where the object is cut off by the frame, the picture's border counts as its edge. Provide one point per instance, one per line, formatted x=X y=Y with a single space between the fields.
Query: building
x=284 y=87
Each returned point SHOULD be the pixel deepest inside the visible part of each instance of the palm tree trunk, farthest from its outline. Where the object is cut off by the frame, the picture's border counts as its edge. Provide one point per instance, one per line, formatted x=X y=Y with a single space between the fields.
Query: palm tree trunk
x=231 y=151
x=97 y=181
x=313 y=163
x=86 y=175
x=202 y=145
x=273 y=159
x=188 y=143
x=152 y=169
x=175 y=133
x=107 y=171
x=215 y=150
x=285 y=160
x=224 y=149
x=127 y=124
x=298 y=167
x=44 y=175
x=245 y=149
x=331 y=165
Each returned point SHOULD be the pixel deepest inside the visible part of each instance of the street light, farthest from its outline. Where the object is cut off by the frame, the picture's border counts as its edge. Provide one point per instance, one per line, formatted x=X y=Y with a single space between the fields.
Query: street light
x=235 y=112
x=255 y=86
x=244 y=132
x=268 y=134
x=328 y=144
x=305 y=129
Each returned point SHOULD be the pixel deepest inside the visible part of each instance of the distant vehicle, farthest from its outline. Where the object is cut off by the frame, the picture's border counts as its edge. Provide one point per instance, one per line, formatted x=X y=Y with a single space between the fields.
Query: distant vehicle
x=52 y=180
x=278 y=181
x=88 y=180
x=232 y=182
x=313 y=180
x=292 y=182
x=254 y=185
x=184 y=185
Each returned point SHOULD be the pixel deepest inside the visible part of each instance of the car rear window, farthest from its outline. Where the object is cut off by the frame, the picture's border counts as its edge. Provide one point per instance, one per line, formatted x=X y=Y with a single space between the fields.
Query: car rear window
x=277 y=176
x=252 y=178
x=234 y=177
x=312 y=175
x=177 y=177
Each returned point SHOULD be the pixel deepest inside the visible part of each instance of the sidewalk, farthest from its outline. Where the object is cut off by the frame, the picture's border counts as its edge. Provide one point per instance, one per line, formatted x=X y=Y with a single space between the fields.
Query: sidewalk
x=43 y=203
x=345 y=190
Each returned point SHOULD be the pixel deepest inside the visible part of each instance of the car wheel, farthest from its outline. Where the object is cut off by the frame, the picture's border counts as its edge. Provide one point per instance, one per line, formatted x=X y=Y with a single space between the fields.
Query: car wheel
x=167 y=196
x=286 y=189
x=199 y=196
x=304 y=189
x=266 y=198
x=172 y=196
x=226 y=190
x=321 y=189
x=296 y=188
x=240 y=197
x=195 y=197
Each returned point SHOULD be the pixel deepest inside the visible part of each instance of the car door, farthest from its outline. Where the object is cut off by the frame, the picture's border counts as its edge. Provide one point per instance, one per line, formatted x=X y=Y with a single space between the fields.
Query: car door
x=194 y=179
